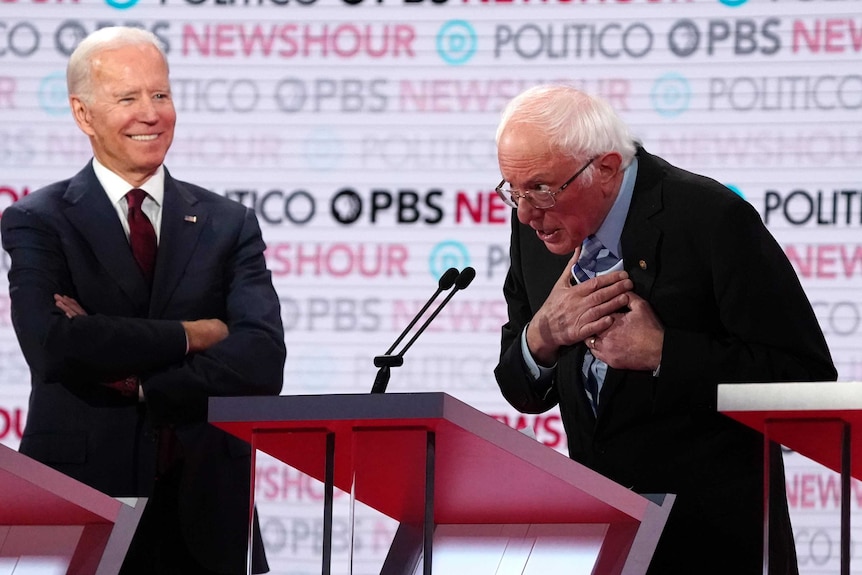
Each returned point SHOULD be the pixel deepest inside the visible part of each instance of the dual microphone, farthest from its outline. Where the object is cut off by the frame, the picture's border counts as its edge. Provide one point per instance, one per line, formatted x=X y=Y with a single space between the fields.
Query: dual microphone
x=450 y=278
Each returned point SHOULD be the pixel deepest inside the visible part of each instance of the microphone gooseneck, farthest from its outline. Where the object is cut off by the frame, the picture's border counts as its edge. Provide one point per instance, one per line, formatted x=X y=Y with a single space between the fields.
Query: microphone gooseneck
x=446 y=281
x=387 y=361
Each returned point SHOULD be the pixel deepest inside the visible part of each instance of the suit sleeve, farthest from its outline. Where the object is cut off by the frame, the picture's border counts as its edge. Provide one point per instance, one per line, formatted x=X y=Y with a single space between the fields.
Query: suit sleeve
x=250 y=361
x=765 y=328
x=105 y=346
x=95 y=348
x=512 y=374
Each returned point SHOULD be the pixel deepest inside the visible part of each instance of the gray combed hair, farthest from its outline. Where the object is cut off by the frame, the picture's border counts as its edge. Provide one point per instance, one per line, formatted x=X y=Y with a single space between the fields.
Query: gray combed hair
x=576 y=123
x=79 y=69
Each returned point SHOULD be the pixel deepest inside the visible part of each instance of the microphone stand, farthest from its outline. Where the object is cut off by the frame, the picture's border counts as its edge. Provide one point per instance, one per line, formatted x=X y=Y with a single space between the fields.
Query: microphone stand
x=387 y=361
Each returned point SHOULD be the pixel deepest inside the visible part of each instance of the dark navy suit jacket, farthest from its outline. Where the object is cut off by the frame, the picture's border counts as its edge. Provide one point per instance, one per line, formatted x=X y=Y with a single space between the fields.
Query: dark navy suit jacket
x=67 y=239
x=733 y=311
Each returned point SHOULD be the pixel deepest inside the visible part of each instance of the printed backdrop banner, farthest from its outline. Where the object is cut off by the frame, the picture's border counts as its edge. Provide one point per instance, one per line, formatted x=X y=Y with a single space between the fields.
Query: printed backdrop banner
x=362 y=134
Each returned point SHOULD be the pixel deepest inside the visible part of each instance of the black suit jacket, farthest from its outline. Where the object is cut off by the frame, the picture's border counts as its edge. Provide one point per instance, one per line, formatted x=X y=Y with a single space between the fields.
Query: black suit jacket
x=67 y=239
x=733 y=311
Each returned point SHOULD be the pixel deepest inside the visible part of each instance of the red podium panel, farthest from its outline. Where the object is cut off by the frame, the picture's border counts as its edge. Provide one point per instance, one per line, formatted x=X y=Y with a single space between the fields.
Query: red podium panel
x=49 y=521
x=820 y=420
x=482 y=471
x=807 y=417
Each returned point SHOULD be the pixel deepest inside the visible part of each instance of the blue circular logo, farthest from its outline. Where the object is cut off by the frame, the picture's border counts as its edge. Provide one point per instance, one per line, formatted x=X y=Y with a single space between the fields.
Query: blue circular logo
x=121 y=4
x=448 y=254
x=53 y=94
x=670 y=95
x=733 y=3
x=456 y=42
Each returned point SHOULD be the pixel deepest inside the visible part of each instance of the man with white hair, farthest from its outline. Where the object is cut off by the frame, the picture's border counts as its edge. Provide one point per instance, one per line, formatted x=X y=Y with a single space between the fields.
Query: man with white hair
x=136 y=297
x=635 y=288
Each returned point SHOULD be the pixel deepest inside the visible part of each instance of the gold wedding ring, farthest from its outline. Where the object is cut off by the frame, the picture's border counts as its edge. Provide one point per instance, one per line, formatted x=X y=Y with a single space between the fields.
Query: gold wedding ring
x=593 y=341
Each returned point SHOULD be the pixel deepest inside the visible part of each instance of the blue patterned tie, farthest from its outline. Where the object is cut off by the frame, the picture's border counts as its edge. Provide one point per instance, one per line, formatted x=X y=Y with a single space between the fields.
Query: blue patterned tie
x=587 y=260
x=591 y=382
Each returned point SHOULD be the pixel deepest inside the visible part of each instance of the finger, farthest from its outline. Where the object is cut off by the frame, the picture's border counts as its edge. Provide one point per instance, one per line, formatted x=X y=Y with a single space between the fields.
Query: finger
x=610 y=293
x=636 y=301
x=65 y=301
x=609 y=279
x=604 y=308
x=606 y=286
x=601 y=316
x=66 y=311
x=602 y=355
x=69 y=313
x=69 y=307
x=566 y=276
x=612 y=306
x=593 y=328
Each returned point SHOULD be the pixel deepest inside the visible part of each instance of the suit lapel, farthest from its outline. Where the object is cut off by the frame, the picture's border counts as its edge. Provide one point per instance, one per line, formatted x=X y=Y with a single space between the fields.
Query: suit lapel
x=640 y=238
x=183 y=220
x=640 y=241
x=91 y=213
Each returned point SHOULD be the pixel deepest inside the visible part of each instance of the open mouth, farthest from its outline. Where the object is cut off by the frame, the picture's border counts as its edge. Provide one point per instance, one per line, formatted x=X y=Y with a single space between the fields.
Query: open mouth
x=547 y=236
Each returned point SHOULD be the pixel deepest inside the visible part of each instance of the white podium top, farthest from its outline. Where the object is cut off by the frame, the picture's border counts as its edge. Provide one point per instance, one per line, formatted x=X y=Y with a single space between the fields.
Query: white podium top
x=807 y=417
x=804 y=396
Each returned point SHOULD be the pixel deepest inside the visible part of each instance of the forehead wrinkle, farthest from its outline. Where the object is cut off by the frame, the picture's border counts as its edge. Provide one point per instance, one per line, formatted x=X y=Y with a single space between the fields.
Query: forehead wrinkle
x=527 y=158
x=532 y=175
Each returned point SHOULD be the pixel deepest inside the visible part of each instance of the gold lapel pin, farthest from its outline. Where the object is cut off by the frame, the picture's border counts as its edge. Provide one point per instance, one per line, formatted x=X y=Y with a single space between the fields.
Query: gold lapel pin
x=642 y=264
x=192 y=219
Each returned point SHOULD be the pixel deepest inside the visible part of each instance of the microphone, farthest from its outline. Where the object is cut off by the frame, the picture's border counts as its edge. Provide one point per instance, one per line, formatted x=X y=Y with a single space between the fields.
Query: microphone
x=387 y=361
x=446 y=281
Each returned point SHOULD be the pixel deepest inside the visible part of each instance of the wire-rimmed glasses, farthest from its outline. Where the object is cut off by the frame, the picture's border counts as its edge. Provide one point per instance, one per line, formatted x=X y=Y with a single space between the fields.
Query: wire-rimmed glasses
x=541 y=197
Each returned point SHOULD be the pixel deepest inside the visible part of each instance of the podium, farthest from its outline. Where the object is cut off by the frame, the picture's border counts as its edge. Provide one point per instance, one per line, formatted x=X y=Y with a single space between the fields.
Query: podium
x=51 y=523
x=820 y=420
x=465 y=488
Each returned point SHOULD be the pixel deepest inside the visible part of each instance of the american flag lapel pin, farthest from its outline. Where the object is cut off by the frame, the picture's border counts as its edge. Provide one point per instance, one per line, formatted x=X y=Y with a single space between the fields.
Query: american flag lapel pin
x=192 y=219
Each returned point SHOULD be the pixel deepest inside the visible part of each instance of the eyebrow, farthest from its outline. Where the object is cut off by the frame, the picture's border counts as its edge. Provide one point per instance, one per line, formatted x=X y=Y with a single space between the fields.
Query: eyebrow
x=532 y=183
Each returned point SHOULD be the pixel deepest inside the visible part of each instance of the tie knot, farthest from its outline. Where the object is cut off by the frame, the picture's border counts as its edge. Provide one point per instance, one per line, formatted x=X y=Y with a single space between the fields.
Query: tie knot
x=589 y=251
x=587 y=260
x=135 y=198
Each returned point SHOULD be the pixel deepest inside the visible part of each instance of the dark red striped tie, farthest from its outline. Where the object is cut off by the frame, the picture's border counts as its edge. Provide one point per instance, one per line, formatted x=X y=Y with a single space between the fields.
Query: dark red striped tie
x=142 y=235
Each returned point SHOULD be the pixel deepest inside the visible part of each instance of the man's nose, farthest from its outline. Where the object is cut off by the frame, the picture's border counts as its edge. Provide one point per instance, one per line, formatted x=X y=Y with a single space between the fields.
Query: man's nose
x=526 y=211
x=147 y=110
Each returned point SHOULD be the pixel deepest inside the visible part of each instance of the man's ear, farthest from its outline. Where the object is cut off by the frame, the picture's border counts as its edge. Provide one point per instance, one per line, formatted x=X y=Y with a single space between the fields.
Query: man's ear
x=608 y=166
x=82 y=115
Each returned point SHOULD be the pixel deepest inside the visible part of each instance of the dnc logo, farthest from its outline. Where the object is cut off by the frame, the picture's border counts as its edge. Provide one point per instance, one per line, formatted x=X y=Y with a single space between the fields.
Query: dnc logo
x=456 y=42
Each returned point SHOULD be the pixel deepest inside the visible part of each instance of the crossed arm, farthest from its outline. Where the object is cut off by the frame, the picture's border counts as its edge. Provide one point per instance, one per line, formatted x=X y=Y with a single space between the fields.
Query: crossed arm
x=81 y=328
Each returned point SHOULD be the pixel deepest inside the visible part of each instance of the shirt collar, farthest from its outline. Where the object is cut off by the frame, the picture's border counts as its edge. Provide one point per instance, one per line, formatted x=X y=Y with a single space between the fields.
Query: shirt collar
x=116 y=187
x=611 y=230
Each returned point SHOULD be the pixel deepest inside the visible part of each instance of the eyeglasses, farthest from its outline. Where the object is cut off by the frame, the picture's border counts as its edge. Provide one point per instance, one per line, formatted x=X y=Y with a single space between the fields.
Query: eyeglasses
x=541 y=197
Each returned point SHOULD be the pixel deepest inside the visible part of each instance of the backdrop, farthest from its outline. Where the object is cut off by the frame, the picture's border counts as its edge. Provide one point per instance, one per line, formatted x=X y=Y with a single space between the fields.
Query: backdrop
x=362 y=134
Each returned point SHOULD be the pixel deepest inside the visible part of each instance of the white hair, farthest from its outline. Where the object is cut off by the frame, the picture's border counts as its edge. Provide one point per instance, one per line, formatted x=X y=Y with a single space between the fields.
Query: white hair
x=576 y=123
x=80 y=67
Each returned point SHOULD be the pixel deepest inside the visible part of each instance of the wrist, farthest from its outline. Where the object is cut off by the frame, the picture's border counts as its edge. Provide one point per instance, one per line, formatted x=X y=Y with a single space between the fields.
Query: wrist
x=543 y=354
